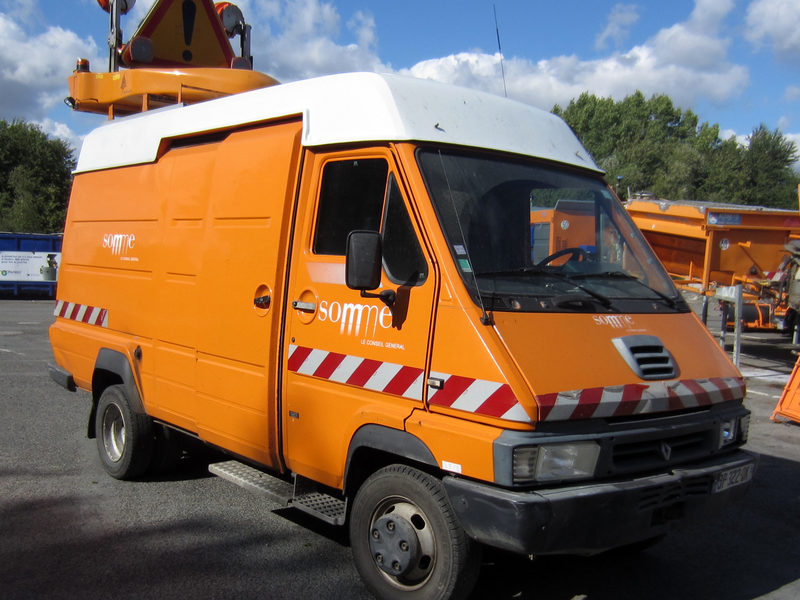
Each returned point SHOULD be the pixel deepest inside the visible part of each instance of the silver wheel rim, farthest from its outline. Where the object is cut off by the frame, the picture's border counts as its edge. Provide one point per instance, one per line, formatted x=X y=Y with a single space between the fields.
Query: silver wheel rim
x=113 y=433
x=405 y=509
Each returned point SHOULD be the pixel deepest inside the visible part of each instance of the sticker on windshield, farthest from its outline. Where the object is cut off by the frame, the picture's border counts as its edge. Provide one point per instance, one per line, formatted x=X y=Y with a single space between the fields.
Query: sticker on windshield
x=464 y=264
x=460 y=250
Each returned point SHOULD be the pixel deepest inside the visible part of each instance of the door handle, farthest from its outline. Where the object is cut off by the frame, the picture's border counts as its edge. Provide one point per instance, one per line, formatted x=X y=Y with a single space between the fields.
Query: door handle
x=304 y=306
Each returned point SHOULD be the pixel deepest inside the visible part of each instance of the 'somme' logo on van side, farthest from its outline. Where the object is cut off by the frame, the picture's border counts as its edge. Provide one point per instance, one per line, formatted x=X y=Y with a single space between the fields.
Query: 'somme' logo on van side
x=355 y=319
x=119 y=243
x=614 y=321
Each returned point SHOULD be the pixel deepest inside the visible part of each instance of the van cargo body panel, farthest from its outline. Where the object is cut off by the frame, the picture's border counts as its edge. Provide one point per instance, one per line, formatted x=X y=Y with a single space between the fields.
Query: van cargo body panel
x=169 y=258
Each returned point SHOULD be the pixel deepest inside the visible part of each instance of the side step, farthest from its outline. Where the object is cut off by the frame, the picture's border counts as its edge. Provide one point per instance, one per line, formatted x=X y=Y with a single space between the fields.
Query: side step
x=253 y=480
x=304 y=495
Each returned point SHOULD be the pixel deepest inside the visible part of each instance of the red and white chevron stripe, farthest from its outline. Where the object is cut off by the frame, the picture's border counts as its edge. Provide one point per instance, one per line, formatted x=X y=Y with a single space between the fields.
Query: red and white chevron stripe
x=477 y=396
x=462 y=393
x=90 y=315
x=370 y=374
x=636 y=399
x=494 y=399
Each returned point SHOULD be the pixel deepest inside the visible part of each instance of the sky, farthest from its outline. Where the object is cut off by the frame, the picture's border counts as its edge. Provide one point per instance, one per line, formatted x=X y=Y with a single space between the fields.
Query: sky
x=735 y=63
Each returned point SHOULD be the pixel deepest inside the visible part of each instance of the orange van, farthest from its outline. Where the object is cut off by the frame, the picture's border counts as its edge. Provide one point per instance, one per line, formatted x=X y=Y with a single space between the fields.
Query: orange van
x=408 y=308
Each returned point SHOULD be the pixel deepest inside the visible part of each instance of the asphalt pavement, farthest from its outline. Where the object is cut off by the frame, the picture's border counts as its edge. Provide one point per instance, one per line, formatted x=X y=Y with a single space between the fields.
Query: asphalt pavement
x=67 y=530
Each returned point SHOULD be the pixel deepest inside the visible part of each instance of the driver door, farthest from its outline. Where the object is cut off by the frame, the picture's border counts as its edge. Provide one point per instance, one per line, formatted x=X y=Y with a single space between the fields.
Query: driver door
x=351 y=360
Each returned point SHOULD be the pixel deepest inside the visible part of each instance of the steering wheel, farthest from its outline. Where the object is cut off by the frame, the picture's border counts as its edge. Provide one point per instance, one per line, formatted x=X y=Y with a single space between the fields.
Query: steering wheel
x=575 y=253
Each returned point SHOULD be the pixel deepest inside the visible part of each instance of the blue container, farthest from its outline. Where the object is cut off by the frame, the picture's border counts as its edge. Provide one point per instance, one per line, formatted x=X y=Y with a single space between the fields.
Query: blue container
x=29 y=263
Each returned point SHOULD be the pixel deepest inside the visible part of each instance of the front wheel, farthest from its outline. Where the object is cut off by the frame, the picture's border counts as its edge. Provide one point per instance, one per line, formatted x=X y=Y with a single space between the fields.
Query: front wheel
x=406 y=540
x=124 y=438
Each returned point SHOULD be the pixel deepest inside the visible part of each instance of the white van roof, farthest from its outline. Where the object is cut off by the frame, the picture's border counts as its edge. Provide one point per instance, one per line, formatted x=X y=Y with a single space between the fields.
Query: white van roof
x=348 y=108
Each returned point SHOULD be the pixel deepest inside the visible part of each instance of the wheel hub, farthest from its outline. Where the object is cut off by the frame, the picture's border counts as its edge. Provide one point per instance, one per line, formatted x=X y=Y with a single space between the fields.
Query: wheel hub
x=113 y=433
x=394 y=544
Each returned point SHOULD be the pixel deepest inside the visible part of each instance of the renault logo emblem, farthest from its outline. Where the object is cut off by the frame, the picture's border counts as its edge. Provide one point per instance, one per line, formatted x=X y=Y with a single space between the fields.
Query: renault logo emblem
x=665 y=450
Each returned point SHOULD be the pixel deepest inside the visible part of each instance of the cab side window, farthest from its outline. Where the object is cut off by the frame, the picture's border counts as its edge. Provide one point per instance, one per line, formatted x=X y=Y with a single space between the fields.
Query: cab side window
x=351 y=198
x=362 y=195
x=403 y=260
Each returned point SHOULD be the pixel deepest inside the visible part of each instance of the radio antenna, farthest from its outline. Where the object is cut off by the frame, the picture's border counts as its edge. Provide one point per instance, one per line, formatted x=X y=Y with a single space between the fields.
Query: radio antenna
x=499 y=49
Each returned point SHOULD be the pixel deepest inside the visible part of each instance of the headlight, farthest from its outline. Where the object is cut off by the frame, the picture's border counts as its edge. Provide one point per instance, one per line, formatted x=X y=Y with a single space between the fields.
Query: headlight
x=734 y=429
x=728 y=431
x=555 y=462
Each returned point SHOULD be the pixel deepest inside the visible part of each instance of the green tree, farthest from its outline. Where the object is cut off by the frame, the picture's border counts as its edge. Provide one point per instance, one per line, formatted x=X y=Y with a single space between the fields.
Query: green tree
x=770 y=179
x=655 y=146
x=647 y=142
x=35 y=179
x=724 y=178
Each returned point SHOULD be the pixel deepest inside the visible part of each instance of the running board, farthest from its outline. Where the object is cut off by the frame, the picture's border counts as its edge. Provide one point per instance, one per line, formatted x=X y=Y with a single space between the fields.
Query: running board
x=253 y=480
x=303 y=495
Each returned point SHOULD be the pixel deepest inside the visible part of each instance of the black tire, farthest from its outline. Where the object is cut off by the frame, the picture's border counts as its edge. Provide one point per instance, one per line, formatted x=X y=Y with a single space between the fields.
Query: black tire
x=406 y=540
x=124 y=439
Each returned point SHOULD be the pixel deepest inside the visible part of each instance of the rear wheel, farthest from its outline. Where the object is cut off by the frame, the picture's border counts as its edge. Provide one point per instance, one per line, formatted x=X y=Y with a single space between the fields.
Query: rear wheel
x=124 y=438
x=406 y=540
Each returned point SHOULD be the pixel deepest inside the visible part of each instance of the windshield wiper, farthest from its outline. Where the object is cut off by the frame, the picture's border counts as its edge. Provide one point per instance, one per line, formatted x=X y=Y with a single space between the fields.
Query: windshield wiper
x=672 y=302
x=604 y=300
x=504 y=272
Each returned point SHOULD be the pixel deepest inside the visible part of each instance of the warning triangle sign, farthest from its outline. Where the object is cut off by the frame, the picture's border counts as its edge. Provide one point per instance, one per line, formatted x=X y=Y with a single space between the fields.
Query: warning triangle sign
x=181 y=33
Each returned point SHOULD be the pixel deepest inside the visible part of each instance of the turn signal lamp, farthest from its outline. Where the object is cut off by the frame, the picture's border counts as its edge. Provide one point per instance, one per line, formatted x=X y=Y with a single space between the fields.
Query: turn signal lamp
x=124 y=5
x=231 y=17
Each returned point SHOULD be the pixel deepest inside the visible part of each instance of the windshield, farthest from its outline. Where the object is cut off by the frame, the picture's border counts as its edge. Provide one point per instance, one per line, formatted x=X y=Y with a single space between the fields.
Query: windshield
x=528 y=236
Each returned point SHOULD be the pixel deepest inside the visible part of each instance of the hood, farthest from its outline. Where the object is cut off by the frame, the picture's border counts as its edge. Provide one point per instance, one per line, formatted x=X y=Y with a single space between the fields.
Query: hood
x=582 y=366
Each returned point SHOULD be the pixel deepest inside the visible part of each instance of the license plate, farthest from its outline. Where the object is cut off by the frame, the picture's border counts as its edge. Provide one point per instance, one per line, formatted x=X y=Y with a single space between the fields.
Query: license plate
x=732 y=477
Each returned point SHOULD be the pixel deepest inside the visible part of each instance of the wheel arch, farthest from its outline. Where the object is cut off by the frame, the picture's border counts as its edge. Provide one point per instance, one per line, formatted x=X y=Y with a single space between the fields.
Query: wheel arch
x=112 y=367
x=373 y=447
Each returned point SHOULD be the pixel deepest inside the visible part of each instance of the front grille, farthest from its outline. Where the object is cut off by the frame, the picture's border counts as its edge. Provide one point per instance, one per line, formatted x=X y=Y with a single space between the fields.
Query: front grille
x=643 y=455
x=647 y=356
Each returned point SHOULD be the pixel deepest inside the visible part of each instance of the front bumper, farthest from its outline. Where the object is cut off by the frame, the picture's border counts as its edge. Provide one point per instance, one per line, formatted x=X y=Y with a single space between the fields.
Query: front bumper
x=592 y=517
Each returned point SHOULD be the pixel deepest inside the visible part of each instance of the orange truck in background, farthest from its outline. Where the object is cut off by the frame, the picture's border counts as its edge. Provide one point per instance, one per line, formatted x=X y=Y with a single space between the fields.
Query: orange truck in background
x=404 y=307
x=704 y=245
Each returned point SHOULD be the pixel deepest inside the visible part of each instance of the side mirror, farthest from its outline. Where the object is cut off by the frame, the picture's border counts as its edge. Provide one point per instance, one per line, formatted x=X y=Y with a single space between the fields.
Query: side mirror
x=363 y=261
x=363 y=265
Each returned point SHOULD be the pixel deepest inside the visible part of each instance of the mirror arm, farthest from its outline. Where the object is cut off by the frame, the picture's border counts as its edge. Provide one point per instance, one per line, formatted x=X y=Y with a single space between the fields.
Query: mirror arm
x=387 y=296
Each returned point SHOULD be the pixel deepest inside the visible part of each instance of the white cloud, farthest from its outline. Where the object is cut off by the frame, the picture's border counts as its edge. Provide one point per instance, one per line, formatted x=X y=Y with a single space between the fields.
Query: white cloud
x=621 y=18
x=25 y=11
x=60 y=130
x=33 y=68
x=792 y=93
x=794 y=137
x=775 y=22
x=687 y=61
x=295 y=39
x=707 y=14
